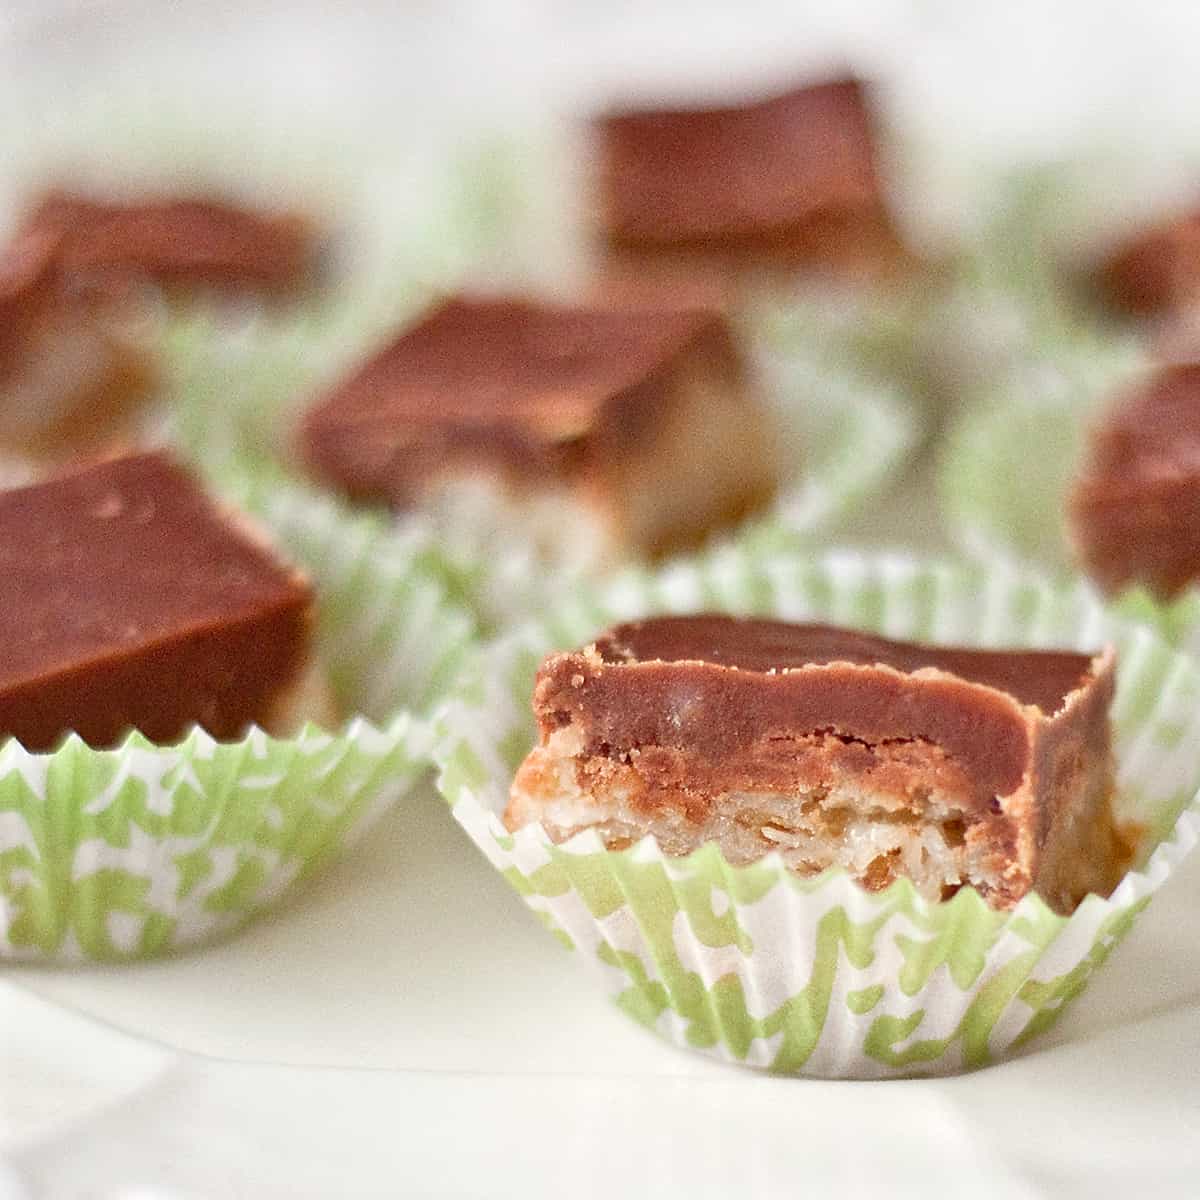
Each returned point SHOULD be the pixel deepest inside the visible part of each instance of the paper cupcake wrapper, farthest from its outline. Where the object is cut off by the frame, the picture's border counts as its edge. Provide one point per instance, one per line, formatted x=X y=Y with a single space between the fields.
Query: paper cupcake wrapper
x=849 y=432
x=1007 y=468
x=146 y=849
x=817 y=976
x=998 y=302
x=1032 y=427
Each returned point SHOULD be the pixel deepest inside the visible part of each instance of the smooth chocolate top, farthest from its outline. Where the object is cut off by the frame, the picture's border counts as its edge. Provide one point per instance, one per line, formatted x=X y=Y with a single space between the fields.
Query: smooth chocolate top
x=1039 y=677
x=128 y=599
x=503 y=377
x=671 y=175
x=718 y=687
x=181 y=241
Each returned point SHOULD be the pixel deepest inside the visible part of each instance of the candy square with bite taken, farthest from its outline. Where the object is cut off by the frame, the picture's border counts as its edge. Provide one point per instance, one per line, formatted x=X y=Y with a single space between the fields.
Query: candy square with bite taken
x=833 y=748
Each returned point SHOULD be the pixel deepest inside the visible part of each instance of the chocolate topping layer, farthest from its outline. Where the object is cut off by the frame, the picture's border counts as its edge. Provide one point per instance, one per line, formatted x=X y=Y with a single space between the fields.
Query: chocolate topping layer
x=533 y=388
x=672 y=175
x=1153 y=431
x=127 y=599
x=1039 y=677
x=177 y=241
x=719 y=687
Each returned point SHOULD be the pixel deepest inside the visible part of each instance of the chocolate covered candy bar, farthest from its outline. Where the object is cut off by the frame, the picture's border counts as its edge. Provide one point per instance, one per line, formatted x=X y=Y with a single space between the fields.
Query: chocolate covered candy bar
x=791 y=179
x=631 y=430
x=176 y=241
x=1134 y=510
x=71 y=376
x=1153 y=271
x=950 y=767
x=130 y=600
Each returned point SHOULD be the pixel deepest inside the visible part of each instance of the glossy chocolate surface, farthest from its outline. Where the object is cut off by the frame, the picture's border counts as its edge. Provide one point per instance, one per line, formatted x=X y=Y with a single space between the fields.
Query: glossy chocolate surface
x=1044 y=678
x=1155 y=270
x=129 y=600
x=176 y=241
x=721 y=688
x=531 y=387
x=1135 y=506
x=741 y=171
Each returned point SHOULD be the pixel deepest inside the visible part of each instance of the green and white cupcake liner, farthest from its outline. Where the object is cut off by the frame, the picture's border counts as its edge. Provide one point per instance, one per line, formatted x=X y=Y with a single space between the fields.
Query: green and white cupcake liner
x=850 y=433
x=998 y=305
x=147 y=849
x=1008 y=465
x=754 y=965
x=1007 y=469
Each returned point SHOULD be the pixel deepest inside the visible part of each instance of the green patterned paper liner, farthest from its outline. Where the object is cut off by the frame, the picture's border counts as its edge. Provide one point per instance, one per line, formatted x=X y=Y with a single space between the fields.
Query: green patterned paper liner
x=1008 y=302
x=999 y=303
x=147 y=849
x=818 y=977
x=1007 y=468
x=852 y=433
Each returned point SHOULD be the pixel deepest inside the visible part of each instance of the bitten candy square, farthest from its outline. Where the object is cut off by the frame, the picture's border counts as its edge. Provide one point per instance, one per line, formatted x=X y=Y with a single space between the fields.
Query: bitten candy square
x=834 y=748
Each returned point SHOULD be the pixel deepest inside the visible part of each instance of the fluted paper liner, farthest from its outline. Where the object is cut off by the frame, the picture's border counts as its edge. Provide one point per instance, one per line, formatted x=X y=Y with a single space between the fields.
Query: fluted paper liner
x=146 y=849
x=817 y=976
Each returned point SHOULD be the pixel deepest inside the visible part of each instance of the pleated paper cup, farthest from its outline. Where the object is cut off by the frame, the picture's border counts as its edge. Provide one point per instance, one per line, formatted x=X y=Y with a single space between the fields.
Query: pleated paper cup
x=146 y=849
x=995 y=311
x=754 y=965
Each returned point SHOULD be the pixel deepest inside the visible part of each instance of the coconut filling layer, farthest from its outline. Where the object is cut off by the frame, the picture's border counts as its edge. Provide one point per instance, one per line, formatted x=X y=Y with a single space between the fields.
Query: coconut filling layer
x=477 y=511
x=873 y=834
x=710 y=458
x=308 y=698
